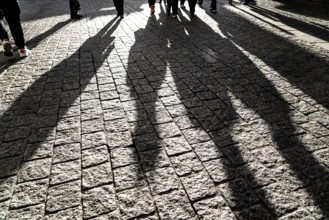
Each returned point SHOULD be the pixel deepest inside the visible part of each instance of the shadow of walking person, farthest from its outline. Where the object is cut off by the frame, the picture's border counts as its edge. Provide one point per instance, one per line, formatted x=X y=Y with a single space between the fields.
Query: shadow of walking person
x=204 y=107
x=47 y=113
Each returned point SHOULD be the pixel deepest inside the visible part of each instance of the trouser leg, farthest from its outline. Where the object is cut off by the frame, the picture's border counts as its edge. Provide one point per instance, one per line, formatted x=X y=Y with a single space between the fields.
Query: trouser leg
x=12 y=12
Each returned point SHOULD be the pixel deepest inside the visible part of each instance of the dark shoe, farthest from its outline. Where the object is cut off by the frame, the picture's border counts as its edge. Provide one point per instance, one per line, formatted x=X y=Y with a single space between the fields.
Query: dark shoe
x=76 y=17
x=213 y=11
x=245 y=3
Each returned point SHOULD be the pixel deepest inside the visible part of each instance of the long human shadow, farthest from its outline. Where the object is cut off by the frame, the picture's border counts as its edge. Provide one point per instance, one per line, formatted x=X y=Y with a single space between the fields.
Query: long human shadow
x=21 y=123
x=307 y=8
x=304 y=70
x=211 y=75
x=167 y=61
x=300 y=25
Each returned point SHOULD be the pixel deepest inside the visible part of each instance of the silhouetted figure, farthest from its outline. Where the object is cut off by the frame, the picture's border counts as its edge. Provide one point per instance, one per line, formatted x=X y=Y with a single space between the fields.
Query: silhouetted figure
x=11 y=11
x=192 y=4
x=172 y=4
x=213 y=5
x=151 y=5
x=119 y=7
x=182 y=3
x=74 y=8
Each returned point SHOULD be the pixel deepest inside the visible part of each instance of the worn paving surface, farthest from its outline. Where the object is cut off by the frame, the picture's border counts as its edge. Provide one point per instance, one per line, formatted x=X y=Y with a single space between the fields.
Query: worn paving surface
x=221 y=116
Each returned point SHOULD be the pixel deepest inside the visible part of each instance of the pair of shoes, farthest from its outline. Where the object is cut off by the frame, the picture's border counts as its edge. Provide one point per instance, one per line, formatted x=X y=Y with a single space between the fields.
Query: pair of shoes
x=213 y=10
x=182 y=6
x=24 y=52
x=76 y=17
x=7 y=48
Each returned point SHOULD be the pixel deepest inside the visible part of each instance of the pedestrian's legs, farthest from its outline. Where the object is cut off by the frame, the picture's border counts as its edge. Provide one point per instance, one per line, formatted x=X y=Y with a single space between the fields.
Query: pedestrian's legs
x=11 y=11
x=182 y=3
x=169 y=5
x=151 y=5
x=213 y=5
x=174 y=7
x=192 y=4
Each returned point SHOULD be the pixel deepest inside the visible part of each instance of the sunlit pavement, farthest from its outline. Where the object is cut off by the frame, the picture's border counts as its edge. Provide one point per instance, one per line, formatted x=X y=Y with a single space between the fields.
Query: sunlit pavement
x=219 y=116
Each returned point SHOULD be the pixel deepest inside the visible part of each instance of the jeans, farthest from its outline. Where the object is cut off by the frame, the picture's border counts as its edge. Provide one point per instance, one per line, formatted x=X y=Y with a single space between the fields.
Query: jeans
x=12 y=12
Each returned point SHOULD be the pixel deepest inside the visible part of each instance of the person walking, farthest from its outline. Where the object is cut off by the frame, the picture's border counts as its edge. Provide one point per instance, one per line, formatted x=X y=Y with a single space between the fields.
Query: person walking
x=213 y=5
x=151 y=5
x=192 y=4
x=119 y=7
x=11 y=12
x=74 y=8
x=172 y=4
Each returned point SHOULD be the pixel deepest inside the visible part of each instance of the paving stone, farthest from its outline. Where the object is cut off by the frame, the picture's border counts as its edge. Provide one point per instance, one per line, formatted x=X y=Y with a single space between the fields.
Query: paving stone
x=195 y=135
x=93 y=140
x=92 y=126
x=68 y=123
x=113 y=114
x=92 y=114
x=256 y=174
x=198 y=185
x=38 y=151
x=238 y=194
x=7 y=187
x=255 y=212
x=162 y=180
x=299 y=214
x=117 y=125
x=161 y=117
x=32 y=212
x=94 y=156
x=222 y=137
x=176 y=145
x=167 y=130
x=71 y=213
x=120 y=139
x=123 y=156
x=68 y=136
x=213 y=208
x=12 y=148
x=36 y=169
x=115 y=215
x=45 y=121
x=98 y=201
x=153 y=159
x=128 y=177
x=135 y=202
x=66 y=152
x=207 y=151
x=9 y=166
x=64 y=172
x=310 y=143
x=186 y=163
x=64 y=196
x=69 y=111
x=174 y=205
x=29 y=193
x=278 y=198
x=322 y=156
x=238 y=154
x=134 y=116
x=17 y=133
x=220 y=170
x=185 y=122
x=177 y=110
x=141 y=127
x=97 y=175
x=42 y=134
x=4 y=208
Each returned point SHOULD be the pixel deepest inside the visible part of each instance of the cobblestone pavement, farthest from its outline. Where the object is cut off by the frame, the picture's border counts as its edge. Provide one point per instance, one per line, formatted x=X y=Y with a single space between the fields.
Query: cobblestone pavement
x=222 y=116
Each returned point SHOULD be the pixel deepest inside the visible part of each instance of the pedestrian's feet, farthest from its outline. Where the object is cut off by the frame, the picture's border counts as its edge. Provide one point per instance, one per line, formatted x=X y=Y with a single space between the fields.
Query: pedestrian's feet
x=76 y=17
x=7 y=48
x=213 y=10
x=174 y=16
x=245 y=3
x=182 y=6
x=24 y=52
